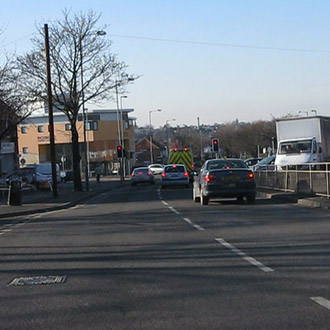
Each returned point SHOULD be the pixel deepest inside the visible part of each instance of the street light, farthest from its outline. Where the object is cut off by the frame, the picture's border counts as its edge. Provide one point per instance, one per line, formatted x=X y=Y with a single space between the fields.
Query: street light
x=119 y=121
x=167 y=137
x=122 y=130
x=158 y=110
x=85 y=119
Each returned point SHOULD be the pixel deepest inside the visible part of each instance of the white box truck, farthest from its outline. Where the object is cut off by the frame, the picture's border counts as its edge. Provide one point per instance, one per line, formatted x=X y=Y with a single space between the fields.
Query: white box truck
x=302 y=140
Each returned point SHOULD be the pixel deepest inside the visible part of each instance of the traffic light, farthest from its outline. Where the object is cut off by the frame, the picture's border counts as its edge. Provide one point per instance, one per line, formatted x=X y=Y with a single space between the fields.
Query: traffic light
x=215 y=145
x=119 y=151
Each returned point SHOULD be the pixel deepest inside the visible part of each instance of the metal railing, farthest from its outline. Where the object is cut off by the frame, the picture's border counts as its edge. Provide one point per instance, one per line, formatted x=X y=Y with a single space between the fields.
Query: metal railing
x=311 y=179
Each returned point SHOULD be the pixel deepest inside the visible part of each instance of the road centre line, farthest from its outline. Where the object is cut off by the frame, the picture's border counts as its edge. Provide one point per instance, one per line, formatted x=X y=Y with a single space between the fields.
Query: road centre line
x=244 y=256
x=322 y=301
x=165 y=203
x=193 y=224
x=174 y=210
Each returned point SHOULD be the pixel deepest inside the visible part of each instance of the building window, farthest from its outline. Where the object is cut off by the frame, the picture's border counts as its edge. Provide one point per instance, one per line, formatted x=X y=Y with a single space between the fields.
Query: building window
x=68 y=127
x=25 y=150
x=93 y=125
x=40 y=129
x=126 y=124
x=23 y=129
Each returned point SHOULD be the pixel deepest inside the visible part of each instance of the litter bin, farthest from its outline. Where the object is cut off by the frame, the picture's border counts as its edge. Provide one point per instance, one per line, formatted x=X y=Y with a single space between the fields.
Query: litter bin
x=15 y=193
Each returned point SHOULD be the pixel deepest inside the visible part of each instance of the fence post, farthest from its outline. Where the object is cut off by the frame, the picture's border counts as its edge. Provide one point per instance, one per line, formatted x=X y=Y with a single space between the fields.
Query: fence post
x=327 y=174
x=297 y=179
x=310 y=178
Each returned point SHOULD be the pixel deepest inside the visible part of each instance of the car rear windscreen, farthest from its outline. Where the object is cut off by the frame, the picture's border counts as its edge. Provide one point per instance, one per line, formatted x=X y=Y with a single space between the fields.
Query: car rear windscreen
x=141 y=170
x=174 y=169
x=223 y=164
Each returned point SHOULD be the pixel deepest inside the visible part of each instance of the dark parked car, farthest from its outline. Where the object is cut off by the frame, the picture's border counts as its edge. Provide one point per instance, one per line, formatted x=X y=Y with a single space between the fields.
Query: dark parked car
x=224 y=178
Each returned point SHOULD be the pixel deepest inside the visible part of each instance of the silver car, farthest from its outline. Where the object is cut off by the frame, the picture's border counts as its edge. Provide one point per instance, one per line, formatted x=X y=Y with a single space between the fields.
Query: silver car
x=142 y=175
x=174 y=175
x=156 y=168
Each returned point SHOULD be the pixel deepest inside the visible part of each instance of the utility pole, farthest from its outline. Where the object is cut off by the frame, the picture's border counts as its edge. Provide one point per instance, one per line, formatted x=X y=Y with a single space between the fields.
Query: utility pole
x=50 y=114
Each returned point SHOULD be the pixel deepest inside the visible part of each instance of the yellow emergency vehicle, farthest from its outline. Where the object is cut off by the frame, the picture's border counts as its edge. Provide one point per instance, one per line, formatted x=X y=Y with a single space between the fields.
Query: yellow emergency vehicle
x=182 y=156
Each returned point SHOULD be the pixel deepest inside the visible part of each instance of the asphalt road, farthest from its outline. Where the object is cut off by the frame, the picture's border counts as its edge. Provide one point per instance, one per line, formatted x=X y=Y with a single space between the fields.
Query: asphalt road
x=145 y=258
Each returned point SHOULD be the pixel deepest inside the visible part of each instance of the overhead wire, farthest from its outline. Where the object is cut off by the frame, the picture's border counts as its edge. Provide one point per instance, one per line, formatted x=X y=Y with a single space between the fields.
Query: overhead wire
x=306 y=50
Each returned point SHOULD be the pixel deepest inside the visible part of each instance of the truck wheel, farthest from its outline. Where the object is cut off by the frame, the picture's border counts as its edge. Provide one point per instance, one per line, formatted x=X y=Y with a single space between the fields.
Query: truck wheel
x=204 y=199
x=196 y=198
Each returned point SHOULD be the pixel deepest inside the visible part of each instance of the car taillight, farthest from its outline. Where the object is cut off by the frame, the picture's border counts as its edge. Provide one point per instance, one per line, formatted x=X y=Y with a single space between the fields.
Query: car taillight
x=149 y=173
x=185 y=174
x=132 y=175
x=209 y=178
x=250 y=176
x=163 y=175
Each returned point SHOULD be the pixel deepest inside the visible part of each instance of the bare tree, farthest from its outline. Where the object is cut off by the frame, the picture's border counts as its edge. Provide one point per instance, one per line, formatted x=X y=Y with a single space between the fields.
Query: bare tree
x=13 y=108
x=76 y=48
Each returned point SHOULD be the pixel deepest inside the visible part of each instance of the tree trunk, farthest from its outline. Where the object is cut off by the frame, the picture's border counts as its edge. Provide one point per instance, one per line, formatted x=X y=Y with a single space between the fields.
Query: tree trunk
x=76 y=159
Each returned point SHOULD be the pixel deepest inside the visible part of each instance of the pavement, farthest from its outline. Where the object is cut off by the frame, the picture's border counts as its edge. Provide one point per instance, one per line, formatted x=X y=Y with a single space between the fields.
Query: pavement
x=43 y=201
x=300 y=199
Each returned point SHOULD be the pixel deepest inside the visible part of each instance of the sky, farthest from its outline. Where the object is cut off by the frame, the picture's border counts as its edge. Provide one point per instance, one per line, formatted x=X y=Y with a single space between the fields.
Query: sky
x=219 y=60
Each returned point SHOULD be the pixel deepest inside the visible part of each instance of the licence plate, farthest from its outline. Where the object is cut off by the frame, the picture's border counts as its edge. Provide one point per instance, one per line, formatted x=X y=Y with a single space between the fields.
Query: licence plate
x=232 y=185
x=230 y=178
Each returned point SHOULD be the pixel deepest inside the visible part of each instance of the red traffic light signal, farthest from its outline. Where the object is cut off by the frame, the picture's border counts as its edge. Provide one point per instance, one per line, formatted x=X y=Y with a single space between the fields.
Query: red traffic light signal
x=119 y=151
x=215 y=145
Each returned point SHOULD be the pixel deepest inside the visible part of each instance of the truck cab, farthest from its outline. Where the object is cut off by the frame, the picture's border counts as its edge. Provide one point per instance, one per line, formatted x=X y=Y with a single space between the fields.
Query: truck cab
x=298 y=151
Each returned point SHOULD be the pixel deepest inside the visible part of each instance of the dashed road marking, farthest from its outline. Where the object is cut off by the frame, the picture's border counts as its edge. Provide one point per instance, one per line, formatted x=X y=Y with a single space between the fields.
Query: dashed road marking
x=198 y=227
x=322 y=301
x=165 y=203
x=174 y=210
x=244 y=256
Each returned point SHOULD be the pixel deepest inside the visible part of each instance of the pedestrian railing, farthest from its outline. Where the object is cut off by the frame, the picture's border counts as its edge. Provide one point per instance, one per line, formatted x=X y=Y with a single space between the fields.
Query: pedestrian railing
x=313 y=179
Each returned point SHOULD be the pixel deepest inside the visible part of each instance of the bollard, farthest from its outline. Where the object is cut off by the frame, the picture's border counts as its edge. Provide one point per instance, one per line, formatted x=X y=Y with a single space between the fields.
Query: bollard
x=15 y=193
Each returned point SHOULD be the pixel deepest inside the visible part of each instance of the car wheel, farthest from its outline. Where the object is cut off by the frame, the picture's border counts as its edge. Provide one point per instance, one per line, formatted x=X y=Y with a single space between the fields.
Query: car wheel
x=196 y=198
x=251 y=198
x=239 y=199
x=204 y=199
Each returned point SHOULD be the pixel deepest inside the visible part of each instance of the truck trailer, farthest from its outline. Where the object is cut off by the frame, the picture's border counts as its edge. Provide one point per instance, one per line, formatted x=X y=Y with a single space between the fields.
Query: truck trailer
x=302 y=140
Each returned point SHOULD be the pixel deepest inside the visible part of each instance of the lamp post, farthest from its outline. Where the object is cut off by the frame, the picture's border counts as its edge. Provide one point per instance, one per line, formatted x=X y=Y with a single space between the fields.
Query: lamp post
x=200 y=137
x=167 y=136
x=85 y=119
x=122 y=131
x=151 y=156
x=119 y=121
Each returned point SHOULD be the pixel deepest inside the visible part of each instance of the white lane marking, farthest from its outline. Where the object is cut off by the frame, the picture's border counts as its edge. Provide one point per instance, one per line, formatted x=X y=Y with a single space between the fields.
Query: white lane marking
x=2 y=233
x=188 y=220
x=6 y=230
x=174 y=210
x=165 y=203
x=244 y=256
x=322 y=301
x=198 y=227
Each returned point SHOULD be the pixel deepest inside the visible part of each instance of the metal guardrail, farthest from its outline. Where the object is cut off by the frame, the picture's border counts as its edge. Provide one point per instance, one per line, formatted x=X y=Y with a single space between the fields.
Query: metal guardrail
x=311 y=178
